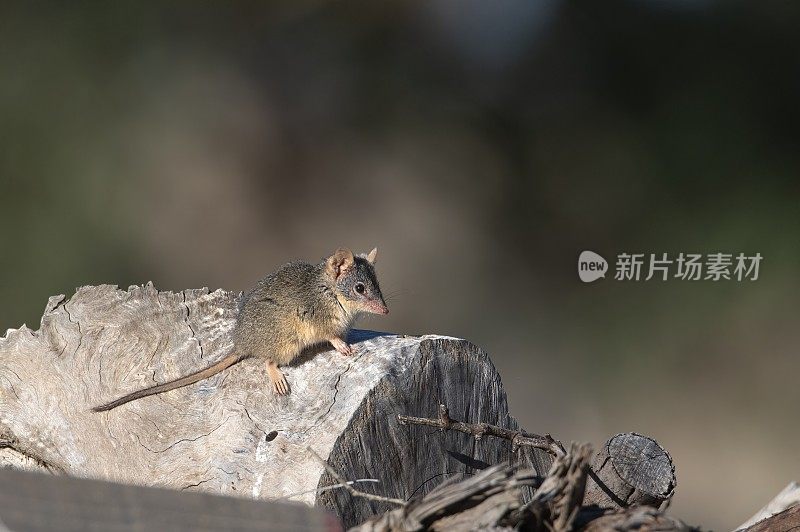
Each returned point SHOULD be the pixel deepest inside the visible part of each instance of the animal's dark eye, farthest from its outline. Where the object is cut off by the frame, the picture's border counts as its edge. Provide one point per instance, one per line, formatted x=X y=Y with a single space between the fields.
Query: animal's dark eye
x=360 y=288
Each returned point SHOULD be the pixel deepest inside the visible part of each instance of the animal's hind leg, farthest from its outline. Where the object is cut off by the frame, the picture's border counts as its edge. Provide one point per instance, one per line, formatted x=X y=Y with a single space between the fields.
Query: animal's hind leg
x=279 y=382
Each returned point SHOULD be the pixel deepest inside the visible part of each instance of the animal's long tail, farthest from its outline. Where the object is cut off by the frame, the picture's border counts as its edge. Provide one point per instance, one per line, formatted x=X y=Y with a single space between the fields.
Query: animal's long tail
x=223 y=364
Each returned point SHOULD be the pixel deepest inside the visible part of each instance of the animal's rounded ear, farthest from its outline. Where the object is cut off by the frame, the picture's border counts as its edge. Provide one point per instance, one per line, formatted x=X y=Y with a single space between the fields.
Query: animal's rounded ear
x=372 y=255
x=338 y=263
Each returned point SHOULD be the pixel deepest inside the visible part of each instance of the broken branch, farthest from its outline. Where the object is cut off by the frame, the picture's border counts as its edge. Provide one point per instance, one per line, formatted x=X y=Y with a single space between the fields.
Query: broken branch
x=478 y=430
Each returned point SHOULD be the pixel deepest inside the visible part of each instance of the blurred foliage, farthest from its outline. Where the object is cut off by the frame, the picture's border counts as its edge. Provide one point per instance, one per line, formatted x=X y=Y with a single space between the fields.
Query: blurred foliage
x=481 y=146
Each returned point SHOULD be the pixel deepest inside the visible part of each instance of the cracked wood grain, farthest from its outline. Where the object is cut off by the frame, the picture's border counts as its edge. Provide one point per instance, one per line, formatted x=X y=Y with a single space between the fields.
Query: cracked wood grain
x=229 y=434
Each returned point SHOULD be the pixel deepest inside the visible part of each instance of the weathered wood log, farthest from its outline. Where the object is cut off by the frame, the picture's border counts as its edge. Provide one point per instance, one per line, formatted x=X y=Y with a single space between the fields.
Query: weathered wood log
x=230 y=434
x=630 y=469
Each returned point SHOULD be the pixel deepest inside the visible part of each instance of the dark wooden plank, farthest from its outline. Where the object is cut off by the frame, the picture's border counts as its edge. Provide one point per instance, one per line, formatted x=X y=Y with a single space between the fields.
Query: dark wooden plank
x=40 y=502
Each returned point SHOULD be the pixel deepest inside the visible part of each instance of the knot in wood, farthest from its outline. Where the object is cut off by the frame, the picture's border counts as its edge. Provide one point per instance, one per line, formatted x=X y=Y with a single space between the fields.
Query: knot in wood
x=444 y=417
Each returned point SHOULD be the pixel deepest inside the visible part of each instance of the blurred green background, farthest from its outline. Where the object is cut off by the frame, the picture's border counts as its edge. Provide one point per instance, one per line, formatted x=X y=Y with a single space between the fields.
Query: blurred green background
x=481 y=146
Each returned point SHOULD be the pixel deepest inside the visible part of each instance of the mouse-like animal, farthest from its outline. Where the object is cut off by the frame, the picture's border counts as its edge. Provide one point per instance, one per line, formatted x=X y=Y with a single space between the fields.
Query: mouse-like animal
x=295 y=307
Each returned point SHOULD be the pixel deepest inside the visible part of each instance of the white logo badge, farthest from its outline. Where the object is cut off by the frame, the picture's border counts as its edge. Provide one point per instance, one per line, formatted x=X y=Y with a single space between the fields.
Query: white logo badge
x=591 y=266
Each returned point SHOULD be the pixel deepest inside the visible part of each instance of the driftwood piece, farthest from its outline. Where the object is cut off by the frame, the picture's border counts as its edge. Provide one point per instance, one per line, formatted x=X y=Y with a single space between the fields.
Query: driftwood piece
x=499 y=498
x=230 y=434
x=630 y=469
x=557 y=501
x=478 y=502
x=785 y=521
x=638 y=519
x=487 y=499
x=789 y=497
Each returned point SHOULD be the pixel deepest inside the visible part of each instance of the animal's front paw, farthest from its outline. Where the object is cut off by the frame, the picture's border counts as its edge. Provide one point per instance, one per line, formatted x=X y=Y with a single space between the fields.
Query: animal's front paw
x=342 y=346
x=281 y=385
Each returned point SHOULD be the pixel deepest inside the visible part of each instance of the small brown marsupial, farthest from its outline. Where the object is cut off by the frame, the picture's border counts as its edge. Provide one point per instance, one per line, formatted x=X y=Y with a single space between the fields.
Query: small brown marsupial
x=297 y=306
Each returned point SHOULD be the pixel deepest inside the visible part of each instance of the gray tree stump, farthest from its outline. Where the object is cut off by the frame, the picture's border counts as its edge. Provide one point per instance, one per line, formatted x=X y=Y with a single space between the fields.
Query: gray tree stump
x=230 y=434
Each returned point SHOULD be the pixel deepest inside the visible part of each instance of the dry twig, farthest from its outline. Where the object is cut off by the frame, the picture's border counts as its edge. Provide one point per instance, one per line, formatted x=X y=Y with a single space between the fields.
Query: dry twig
x=354 y=492
x=478 y=430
